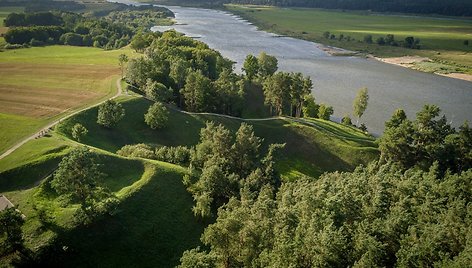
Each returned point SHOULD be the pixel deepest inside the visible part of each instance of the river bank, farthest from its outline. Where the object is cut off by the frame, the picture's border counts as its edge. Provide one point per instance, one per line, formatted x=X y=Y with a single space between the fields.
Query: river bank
x=440 y=56
x=410 y=62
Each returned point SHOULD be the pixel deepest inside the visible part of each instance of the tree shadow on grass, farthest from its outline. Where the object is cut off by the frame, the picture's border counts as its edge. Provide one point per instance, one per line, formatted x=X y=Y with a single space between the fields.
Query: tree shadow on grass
x=152 y=229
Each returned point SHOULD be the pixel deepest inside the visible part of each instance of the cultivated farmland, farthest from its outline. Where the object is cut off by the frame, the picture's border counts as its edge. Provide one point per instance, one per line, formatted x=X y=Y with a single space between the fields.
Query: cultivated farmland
x=40 y=84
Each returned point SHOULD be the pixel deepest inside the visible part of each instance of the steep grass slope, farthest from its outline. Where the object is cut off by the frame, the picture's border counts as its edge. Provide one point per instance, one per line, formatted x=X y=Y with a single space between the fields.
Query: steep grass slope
x=312 y=148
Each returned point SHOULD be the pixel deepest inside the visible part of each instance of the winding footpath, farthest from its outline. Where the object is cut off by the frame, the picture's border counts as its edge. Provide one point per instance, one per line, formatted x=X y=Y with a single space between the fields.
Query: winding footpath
x=54 y=123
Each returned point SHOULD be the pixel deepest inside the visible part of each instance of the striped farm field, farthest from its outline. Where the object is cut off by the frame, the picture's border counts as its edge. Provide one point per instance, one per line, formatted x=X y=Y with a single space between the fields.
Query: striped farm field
x=40 y=84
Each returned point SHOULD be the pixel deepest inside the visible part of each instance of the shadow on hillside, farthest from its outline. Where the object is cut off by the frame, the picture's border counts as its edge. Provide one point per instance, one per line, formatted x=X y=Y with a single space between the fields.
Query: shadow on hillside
x=152 y=229
x=29 y=175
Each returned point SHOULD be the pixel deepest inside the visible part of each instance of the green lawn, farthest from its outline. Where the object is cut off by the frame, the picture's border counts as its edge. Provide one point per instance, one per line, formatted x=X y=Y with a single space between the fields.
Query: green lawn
x=443 y=35
x=310 y=150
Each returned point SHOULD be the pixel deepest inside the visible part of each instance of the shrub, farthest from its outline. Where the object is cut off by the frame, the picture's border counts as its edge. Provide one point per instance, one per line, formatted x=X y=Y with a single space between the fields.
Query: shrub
x=325 y=111
x=177 y=155
x=380 y=41
x=368 y=39
x=346 y=120
x=138 y=150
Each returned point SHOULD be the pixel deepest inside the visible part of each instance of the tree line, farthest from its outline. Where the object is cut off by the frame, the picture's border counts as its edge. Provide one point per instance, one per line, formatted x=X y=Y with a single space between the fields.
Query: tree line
x=451 y=7
x=109 y=32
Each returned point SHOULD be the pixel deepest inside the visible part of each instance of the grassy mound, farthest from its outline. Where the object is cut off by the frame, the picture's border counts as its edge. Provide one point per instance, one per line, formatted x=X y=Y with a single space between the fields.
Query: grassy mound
x=154 y=222
x=313 y=147
x=154 y=226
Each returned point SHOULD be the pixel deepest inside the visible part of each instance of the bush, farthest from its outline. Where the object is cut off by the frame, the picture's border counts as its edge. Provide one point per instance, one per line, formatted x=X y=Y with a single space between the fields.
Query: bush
x=179 y=155
x=346 y=120
x=138 y=150
x=14 y=46
x=380 y=41
x=325 y=111
x=368 y=39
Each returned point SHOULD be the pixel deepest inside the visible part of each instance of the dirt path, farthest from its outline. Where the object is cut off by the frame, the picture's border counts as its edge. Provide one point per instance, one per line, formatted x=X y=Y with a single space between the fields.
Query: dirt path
x=297 y=120
x=52 y=124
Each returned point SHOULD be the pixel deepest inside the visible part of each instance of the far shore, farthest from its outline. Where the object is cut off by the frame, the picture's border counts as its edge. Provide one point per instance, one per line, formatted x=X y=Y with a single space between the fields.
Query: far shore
x=405 y=61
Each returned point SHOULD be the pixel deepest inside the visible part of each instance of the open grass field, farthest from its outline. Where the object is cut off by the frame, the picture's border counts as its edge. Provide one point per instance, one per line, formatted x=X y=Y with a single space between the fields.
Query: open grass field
x=438 y=35
x=41 y=84
x=309 y=150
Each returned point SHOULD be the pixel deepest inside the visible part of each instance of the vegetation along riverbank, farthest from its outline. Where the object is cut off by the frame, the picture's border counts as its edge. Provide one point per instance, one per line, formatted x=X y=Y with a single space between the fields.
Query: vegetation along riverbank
x=443 y=43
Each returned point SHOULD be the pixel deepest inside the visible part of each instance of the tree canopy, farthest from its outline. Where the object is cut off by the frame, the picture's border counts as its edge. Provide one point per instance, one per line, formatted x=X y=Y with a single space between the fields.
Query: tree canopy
x=110 y=113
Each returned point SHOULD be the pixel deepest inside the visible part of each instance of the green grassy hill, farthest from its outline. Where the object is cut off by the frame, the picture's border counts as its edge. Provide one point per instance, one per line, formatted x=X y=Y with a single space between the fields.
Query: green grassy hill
x=312 y=148
x=154 y=223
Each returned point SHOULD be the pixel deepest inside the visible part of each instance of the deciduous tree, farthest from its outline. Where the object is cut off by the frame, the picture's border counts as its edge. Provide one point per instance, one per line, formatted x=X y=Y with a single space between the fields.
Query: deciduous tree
x=360 y=103
x=110 y=113
x=77 y=177
x=79 y=131
x=251 y=67
x=157 y=116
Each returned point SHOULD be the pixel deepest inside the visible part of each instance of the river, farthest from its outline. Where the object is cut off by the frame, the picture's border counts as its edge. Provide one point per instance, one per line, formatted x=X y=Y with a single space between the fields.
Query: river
x=336 y=79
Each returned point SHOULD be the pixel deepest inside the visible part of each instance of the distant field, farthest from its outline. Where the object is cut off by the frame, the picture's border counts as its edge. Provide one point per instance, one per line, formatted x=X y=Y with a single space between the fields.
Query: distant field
x=38 y=84
x=444 y=35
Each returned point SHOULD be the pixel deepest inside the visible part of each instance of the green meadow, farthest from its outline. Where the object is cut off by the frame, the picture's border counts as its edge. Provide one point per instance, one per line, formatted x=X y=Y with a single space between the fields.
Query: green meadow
x=441 y=38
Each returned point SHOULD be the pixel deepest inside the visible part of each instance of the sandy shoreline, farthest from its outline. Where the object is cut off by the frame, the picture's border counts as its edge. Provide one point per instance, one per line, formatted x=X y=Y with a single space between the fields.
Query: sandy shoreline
x=410 y=61
x=405 y=61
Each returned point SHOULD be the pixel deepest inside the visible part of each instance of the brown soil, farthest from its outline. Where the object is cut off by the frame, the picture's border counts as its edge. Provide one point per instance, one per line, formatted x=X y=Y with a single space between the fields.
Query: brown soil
x=43 y=91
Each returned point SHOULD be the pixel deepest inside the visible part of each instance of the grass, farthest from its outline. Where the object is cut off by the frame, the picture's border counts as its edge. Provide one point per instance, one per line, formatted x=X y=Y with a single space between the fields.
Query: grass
x=14 y=127
x=153 y=224
x=41 y=84
x=309 y=150
x=441 y=38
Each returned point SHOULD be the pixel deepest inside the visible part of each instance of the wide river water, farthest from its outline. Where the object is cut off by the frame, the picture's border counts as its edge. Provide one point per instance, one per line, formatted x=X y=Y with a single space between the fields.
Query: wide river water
x=336 y=79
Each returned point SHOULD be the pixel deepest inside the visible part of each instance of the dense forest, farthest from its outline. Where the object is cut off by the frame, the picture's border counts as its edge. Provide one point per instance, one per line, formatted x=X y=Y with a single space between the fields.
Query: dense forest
x=450 y=7
x=44 y=5
x=388 y=214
